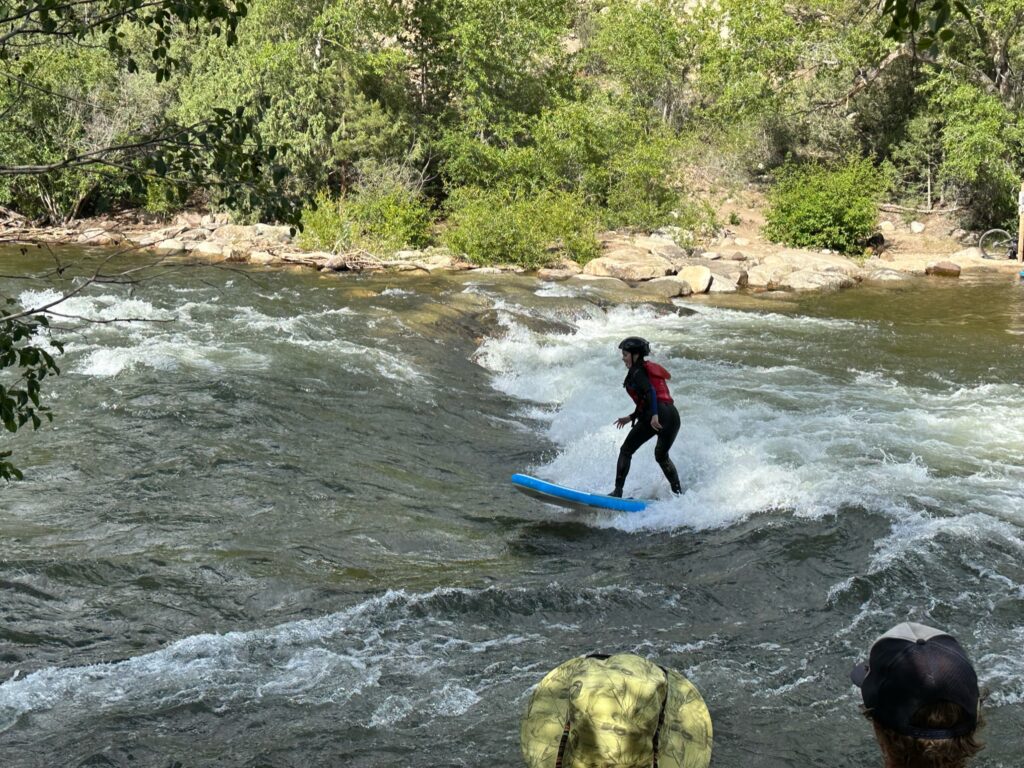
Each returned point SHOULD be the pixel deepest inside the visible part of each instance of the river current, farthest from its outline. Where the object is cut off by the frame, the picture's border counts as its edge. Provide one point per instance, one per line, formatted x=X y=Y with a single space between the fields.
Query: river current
x=271 y=523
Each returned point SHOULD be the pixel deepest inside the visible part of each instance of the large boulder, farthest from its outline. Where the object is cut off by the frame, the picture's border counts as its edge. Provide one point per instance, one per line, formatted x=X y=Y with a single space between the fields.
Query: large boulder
x=627 y=262
x=698 y=278
x=729 y=271
x=767 y=276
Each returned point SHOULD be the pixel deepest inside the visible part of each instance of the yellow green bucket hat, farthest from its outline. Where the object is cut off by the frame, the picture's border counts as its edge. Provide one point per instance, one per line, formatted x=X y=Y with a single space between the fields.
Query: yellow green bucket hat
x=618 y=711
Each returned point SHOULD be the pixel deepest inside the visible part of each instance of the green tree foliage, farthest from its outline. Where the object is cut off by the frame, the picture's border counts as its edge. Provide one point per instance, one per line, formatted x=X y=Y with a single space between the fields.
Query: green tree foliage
x=25 y=362
x=821 y=207
x=73 y=132
x=492 y=226
x=382 y=214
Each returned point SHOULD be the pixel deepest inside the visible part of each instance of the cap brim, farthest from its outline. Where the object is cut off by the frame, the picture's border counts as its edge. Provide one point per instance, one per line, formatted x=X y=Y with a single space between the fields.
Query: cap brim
x=858 y=673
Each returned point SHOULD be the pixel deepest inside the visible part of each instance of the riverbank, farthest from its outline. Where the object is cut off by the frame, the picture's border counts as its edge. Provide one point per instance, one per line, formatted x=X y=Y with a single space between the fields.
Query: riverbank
x=642 y=267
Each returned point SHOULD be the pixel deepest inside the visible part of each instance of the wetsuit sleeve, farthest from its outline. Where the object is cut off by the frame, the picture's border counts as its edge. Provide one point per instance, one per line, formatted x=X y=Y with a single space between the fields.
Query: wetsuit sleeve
x=642 y=382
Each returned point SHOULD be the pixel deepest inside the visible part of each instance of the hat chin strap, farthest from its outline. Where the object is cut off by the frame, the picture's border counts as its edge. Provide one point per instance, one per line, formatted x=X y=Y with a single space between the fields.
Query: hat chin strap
x=564 y=742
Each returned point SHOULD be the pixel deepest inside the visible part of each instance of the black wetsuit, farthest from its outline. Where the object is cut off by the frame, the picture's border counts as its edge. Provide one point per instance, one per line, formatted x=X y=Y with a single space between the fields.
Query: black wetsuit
x=639 y=382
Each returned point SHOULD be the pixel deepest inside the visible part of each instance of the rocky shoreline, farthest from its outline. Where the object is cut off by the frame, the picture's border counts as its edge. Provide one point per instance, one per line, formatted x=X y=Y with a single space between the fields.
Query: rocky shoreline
x=650 y=266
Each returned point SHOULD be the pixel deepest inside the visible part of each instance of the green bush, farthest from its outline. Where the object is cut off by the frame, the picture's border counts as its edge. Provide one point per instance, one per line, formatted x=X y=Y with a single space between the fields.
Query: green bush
x=530 y=230
x=382 y=216
x=814 y=206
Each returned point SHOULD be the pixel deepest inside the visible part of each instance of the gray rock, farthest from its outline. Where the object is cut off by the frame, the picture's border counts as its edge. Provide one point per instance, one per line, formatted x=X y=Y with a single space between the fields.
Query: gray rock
x=917 y=227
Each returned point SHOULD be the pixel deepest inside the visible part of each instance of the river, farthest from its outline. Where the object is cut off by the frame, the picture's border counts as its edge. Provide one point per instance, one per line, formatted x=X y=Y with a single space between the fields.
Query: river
x=271 y=523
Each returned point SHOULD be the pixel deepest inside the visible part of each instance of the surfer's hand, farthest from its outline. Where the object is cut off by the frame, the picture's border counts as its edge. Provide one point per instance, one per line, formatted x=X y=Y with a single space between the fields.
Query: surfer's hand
x=655 y=424
x=620 y=423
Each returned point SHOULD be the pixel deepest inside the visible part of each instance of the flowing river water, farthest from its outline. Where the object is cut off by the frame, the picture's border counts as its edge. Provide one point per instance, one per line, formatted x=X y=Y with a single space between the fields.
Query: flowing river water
x=273 y=526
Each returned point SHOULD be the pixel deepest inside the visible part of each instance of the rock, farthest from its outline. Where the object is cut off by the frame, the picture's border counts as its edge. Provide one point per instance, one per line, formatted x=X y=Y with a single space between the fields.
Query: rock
x=552 y=273
x=767 y=277
x=916 y=227
x=414 y=255
x=273 y=234
x=722 y=284
x=442 y=261
x=737 y=256
x=188 y=220
x=698 y=278
x=958 y=234
x=263 y=258
x=741 y=241
x=194 y=235
x=213 y=250
x=887 y=226
x=666 y=287
x=660 y=246
x=151 y=238
x=711 y=255
x=99 y=236
x=598 y=281
x=881 y=274
x=629 y=263
x=215 y=220
x=235 y=233
x=811 y=280
x=943 y=269
x=736 y=275
x=973 y=252
x=169 y=246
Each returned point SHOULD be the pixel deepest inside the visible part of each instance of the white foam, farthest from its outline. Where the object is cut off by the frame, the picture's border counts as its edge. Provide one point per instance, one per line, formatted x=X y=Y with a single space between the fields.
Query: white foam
x=762 y=437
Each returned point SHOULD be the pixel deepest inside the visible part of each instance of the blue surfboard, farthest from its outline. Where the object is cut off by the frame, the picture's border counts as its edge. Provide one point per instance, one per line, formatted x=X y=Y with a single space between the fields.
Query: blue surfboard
x=569 y=497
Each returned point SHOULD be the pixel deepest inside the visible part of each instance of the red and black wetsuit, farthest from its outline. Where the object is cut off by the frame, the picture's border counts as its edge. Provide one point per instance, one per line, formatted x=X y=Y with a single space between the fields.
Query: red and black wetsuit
x=647 y=384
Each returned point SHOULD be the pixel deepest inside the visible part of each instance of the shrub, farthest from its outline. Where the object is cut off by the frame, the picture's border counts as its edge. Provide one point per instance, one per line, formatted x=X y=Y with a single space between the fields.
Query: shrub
x=493 y=226
x=383 y=215
x=821 y=207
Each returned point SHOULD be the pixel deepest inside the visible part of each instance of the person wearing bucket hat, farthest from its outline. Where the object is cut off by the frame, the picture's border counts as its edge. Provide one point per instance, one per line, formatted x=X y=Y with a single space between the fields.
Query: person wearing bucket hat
x=921 y=695
x=619 y=711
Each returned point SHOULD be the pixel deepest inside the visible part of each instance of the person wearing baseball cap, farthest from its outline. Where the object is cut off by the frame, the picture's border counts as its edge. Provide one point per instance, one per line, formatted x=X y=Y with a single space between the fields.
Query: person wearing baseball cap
x=921 y=695
x=619 y=711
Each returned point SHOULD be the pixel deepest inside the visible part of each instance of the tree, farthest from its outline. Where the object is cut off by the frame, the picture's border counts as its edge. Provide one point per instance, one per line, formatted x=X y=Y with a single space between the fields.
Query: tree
x=39 y=37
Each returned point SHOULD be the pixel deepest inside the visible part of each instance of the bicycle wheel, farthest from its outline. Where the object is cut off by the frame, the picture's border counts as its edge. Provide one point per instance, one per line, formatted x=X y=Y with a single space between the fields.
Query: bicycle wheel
x=997 y=244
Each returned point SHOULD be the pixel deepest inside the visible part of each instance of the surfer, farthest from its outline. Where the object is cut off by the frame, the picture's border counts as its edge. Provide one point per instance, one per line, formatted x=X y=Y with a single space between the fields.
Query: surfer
x=654 y=414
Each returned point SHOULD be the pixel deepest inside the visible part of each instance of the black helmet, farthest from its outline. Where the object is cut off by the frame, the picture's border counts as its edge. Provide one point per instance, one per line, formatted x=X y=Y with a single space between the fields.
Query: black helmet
x=636 y=345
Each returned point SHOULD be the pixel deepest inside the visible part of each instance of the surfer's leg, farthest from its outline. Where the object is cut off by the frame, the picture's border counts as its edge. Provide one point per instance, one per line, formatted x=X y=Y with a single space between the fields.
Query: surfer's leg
x=669 y=418
x=638 y=435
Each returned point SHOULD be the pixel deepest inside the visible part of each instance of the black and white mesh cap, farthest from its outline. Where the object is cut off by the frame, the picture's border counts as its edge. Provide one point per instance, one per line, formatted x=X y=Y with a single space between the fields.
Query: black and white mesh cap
x=912 y=666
